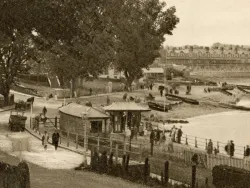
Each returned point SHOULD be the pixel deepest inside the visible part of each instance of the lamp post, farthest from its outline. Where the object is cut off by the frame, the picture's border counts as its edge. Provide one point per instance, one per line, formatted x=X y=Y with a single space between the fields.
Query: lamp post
x=84 y=118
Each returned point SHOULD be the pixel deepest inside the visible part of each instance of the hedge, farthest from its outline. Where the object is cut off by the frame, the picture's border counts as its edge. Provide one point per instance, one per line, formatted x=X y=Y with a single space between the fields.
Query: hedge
x=226 y=176
x=33 y=77
x=14 y=176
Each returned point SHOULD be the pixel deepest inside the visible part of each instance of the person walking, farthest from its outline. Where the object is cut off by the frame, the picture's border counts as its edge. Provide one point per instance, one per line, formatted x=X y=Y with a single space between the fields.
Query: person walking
x=232 y=149
x=45 y=140
x=173 y=135
x=210 y=147
x=141 y=129
x=55 y=139
x=161 y=92
x=246 y=156
x=247 y=151
x=158 y=136
x=179 y=135
x=44 y=111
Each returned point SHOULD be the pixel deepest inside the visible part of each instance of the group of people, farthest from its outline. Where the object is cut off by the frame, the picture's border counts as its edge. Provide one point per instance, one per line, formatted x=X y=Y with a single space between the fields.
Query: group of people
x=174 y=135
x=55 y=139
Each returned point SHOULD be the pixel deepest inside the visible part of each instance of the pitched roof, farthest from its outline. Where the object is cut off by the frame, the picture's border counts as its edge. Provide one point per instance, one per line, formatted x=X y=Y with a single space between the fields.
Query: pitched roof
x=77 y=110
x=126 y=106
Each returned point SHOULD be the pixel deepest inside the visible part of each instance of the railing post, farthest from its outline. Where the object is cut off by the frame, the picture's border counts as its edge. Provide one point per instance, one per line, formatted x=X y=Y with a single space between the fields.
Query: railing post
x=56 y=122
x=110 y=145
x=76 y=141
x=218 y=147
x=67 y=138
x=193 y=176
x=98 y=144
x=60 y=132
x=140 y=155
x=196 y=145
x=116 y=154
x=186 y=140
x=30 y=122
x=166 y=172
x=124 y=147
x=206 y=145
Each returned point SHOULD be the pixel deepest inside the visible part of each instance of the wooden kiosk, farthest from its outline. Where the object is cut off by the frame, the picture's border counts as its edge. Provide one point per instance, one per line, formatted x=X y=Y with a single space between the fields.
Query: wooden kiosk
x=124 y=116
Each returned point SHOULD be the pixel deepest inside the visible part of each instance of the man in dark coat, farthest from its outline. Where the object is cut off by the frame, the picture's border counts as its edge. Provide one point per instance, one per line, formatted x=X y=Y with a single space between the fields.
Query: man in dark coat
x=179 y=135
x=232 y=149
x=152 y=136
x=247 y=152
x=55 y=139
x=44 y=110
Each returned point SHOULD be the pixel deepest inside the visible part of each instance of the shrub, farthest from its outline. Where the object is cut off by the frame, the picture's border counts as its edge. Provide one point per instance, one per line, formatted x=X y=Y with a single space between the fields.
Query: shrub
x=226 y=176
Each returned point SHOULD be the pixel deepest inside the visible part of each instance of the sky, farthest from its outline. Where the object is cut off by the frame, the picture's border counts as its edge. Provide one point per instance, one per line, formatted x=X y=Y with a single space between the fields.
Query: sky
x=204 y=22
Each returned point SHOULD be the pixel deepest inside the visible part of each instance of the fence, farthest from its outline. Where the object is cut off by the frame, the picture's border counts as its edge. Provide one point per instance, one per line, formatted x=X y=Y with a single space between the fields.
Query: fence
x=202 y=143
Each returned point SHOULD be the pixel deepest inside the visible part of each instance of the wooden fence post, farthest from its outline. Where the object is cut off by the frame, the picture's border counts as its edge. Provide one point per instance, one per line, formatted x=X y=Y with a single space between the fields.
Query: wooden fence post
x=152 y=147
x=30 y=122
x=116 y=154
x=127 y=163
x=124 y=147
x=56 y=122
x=123 y=161
x=146 y=170
x=67 y=138
x=76 y=141
x=60 y=132
x=98 y=144
x=206 y=145
x=218 y=147
x=110 y=145
x=166 y=172
x=195 y=142
x=193 y=176
x=140 y=155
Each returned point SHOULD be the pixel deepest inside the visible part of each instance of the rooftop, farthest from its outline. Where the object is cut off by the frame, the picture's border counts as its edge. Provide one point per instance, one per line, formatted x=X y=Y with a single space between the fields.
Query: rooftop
x=77 y=110
x=126 y=106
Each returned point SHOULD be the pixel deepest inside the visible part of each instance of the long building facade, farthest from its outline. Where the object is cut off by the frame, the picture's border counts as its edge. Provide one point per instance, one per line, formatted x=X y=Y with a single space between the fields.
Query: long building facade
x=212 y=63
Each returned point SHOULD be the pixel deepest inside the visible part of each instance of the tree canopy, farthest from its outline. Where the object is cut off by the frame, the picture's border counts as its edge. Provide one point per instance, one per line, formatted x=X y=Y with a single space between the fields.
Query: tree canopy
x=138 y=37
x=82 y=37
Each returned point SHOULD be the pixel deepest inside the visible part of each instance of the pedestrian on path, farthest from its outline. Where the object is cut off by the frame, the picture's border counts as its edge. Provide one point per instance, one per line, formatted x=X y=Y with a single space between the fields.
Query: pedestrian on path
x=179 y=135
x=55 y=139
x=44 y=111
x=210 y=147
x=45 y=140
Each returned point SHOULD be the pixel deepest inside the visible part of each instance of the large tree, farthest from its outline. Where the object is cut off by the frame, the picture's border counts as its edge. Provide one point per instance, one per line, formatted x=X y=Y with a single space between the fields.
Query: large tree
x=75 y=34
x=140 y=28
x=14 y=55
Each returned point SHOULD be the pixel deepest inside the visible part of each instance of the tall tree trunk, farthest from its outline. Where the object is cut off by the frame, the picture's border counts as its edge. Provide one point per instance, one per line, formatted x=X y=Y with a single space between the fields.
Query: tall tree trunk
x=73 y=87
x=6 y=99
x=129 y=81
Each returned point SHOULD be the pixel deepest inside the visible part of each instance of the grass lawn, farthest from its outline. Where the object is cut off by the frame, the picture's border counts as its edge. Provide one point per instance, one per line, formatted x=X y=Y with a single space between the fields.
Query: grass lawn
x=45 y=178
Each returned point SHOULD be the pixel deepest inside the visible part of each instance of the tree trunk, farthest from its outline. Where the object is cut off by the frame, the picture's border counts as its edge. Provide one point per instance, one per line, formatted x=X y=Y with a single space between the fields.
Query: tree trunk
x=129 y=81
x=6 y=99
x=73 y=87
x=128 y=84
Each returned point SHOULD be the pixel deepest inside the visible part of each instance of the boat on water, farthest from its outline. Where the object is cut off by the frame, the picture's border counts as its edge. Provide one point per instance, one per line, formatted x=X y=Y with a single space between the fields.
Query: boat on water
x=159 y=106
x=184 y=99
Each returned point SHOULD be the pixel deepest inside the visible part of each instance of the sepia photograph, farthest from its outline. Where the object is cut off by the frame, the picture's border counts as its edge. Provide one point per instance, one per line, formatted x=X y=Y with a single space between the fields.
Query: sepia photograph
x=124 y=94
